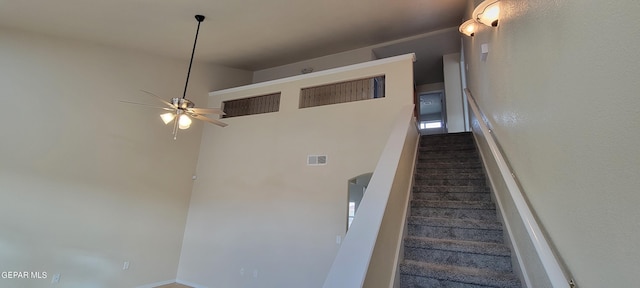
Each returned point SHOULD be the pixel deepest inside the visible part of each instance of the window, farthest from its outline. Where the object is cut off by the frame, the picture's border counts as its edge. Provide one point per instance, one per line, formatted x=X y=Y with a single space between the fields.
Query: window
x=352 y=212
x=355 y=90
x=430 y=124
x=254 y=105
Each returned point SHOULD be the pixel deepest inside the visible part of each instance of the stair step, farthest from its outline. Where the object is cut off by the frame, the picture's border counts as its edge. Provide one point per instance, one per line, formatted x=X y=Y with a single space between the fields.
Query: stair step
x=460 y=159
x=461 y=175
x=482 y=255
x=452 y=196
x=460 y=142
x=416 y=274
x=450 y=182
x=465 y=137
x=456 y=229
x=480 y=205
x=450 y=189
x=443 y=164
x=479 y=210
x=434 y=171
x=428 y=147
x=449 y=155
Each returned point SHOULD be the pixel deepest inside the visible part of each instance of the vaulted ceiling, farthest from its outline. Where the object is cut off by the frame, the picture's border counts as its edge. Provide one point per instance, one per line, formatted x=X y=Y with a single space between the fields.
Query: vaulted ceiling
x=247 y=34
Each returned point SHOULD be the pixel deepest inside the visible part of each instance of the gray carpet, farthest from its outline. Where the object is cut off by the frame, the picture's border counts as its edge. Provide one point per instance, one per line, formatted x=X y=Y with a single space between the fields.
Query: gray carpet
x=454 y=238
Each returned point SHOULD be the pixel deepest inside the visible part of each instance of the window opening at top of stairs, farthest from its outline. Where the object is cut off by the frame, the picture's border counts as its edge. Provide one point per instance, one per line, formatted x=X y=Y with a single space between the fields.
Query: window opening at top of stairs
x=430 y=124
x=348 y=91
x=252 y=105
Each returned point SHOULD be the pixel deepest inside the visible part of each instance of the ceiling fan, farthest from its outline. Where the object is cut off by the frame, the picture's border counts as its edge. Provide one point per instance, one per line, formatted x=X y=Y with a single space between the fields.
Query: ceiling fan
x=182 y=108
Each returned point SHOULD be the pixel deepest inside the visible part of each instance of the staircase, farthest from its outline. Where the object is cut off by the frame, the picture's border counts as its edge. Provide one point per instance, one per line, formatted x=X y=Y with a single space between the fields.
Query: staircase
x=454 y=239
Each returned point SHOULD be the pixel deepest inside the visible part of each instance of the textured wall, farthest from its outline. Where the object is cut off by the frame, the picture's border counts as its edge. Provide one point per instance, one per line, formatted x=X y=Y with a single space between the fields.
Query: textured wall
x=87 y=182
x=453 y=93
x=560 y=91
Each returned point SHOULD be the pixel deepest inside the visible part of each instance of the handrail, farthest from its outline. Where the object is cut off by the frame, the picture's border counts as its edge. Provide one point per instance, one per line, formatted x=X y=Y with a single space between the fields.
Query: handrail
x=351 y=264
x=550 y=262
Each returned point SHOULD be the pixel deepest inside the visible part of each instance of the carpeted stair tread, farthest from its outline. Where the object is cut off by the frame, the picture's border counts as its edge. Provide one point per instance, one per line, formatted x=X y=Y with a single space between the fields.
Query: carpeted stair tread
x=428 y=159
x=451 y=196
x=446 y=148
x=451 y=182
x=453 y=175
x=455 y=229
x=448 y=164
x=455 y=274
x=476 y=205
x=434 y=171
x=459 y=154
x=476 y=247
x=450 y=189
x=458 y=223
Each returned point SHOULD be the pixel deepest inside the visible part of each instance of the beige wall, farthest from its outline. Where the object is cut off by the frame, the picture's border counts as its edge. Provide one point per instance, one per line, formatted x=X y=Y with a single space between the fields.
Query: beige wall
x=525 y=260
x=560 y=88
x=317 y=64
x=453 y=93
x=257 y=206
x=87 y=182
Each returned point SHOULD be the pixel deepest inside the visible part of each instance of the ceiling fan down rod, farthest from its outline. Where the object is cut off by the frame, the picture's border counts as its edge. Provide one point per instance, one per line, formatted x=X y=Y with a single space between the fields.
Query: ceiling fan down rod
x=199 y=18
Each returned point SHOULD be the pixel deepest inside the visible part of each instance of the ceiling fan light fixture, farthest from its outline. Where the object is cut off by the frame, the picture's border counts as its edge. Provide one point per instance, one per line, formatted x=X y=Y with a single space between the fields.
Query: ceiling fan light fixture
x=167 y=117
x=184 y=122
x=182 y=108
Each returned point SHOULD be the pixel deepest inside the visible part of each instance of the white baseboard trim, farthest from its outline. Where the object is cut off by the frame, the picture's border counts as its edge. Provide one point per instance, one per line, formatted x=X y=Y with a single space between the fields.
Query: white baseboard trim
x=153 y=285
x=194 y=285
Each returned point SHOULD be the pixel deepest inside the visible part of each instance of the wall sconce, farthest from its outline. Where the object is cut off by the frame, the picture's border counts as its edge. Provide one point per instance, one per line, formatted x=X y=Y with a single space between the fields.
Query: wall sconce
x=487 y=13
x=468 y=27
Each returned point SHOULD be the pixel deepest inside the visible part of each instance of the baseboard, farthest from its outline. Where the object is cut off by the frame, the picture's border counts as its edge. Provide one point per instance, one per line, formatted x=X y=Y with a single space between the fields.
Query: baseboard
x=153 y=285
x=194 y=285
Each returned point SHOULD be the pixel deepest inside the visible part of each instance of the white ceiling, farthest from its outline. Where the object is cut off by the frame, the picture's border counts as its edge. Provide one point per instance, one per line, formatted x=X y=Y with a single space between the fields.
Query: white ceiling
x=429 y=49
x=247 y=34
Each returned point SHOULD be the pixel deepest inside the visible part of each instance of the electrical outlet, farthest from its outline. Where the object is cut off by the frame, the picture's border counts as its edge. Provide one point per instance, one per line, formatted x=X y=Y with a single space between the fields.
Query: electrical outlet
x=241 y=271
x=255 y=273
x=125 y=265
x=338 y=239
x=55 y=278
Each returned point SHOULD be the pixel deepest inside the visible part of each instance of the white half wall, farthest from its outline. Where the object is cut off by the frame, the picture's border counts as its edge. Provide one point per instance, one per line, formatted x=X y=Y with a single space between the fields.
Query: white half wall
x=87 y=182
x=560 y=91
x=257 y=206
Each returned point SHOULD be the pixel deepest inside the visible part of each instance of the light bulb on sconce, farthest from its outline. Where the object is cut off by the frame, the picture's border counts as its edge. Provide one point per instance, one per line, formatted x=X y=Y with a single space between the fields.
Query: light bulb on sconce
x=488 y=13
x=468 y=27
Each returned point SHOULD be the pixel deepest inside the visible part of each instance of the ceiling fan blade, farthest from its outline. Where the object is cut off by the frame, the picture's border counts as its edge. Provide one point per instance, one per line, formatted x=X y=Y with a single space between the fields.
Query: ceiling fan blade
x=149 y=106
x=212 y=121
x=160 y=99
x=207 y=111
